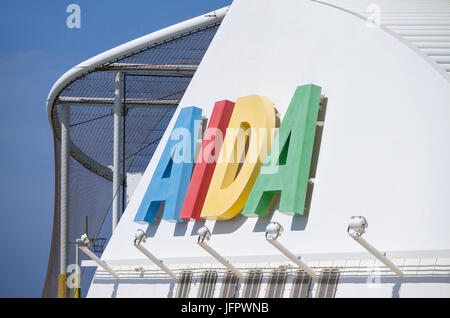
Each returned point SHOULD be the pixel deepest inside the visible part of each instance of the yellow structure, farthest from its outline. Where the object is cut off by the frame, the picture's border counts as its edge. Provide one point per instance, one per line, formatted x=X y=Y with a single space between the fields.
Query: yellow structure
x=63 y=291
x=246 y=143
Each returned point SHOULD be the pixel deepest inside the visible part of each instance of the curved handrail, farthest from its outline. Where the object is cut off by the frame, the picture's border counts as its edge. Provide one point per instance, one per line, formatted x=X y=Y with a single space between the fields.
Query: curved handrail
x=135 y=45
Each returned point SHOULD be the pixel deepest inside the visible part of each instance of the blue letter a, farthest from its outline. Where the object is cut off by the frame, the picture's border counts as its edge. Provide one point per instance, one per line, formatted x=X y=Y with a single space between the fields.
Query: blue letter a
x=172 y=175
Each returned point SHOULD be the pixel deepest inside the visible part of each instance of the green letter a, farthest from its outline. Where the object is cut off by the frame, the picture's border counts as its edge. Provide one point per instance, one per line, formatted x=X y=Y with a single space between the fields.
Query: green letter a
x=296 y=138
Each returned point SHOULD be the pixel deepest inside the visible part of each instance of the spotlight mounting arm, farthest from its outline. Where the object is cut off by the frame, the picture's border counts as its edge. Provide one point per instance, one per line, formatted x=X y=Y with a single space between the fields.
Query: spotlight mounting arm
x=139 y=238
x=205 y=234
x=273 y=231
x=84 y=243
x=356 y=228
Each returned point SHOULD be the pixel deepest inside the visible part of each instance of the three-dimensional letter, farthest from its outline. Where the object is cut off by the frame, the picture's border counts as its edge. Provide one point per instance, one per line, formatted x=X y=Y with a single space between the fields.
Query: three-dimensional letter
x=240 y=157
x=206 y=161
x=293 y=147
x=171 y=178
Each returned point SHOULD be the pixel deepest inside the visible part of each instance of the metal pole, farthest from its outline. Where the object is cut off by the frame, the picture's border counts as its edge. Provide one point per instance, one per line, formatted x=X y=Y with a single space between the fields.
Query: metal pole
x=293 y=258
x=64 y=208
x=123 y=141
x=116 y=159
x=221 y=259
x=155 y=260
x=101 y=263
x=77 y=280
x=78 y=243
x=84 y=225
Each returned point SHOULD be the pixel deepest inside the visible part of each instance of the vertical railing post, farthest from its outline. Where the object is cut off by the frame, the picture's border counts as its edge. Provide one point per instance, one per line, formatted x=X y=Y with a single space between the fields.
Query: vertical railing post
x=77 y=278
x=116 y=160
x=64 y=209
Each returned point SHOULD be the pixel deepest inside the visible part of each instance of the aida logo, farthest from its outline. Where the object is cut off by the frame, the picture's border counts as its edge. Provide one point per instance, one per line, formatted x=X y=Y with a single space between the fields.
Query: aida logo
x=244 y=160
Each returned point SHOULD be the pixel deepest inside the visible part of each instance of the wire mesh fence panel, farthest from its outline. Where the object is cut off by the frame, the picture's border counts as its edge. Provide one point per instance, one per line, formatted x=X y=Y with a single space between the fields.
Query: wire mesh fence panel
x=154 y=81
x=99 y=244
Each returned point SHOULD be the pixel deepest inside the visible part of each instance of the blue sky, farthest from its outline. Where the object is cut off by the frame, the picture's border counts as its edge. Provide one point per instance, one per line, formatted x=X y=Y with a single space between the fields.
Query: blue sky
x=36 y=47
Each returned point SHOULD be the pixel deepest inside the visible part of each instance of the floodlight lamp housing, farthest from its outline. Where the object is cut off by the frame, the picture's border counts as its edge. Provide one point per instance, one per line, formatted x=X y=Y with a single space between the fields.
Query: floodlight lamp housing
x=273 y=230
x=139 y=237
x=357 y=226
x=85 y=240
x=203 y=233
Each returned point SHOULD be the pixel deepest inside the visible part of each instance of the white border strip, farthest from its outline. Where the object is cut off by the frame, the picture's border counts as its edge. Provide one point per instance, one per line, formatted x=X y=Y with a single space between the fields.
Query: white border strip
x=413 y=254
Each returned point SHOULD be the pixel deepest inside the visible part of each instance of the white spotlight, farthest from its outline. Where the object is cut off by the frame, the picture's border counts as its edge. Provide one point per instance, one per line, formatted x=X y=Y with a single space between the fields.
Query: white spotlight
x=357 y=225
x=85 y=240
x=140 y=237
x=273 y=230
x=203 y=234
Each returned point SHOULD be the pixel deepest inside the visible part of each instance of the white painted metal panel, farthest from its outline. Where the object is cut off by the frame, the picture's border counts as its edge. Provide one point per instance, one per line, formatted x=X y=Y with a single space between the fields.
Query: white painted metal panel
x=384 y=150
